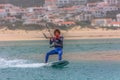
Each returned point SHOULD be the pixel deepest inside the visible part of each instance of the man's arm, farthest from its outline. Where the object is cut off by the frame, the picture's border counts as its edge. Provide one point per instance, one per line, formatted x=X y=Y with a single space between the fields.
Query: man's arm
x=51 y=41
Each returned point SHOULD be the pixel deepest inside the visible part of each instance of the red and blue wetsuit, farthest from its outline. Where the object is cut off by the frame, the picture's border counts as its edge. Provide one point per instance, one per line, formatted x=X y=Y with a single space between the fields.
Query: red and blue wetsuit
x=57 y=43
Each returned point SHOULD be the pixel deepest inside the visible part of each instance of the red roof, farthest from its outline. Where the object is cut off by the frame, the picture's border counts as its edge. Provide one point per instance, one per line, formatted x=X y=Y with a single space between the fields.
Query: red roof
x=115 y=23
x=68 y=22
x=2 y=10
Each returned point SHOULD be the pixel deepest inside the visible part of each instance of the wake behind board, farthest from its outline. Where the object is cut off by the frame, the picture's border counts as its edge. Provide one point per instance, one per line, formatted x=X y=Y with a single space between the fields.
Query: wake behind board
x=60 y=64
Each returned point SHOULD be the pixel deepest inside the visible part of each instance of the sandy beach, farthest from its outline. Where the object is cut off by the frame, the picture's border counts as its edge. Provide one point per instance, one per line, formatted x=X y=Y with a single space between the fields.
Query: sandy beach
x=75 y=33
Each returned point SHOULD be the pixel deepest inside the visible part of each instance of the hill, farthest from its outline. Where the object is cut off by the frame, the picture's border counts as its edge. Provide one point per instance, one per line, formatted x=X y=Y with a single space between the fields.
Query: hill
x=24 y=3
x=95 y=0
x=31 y=3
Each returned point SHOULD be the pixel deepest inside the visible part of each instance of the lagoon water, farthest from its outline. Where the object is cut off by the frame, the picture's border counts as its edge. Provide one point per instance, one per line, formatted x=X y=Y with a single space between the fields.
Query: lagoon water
x=23 y=60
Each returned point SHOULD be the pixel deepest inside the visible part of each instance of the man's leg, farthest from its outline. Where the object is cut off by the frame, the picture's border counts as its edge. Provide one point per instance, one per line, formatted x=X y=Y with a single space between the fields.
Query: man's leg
x=49 y=53
x=60 y=52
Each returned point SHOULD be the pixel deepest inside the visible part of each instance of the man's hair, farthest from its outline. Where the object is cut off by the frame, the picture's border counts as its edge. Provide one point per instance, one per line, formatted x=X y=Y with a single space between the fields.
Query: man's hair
x=57 y=30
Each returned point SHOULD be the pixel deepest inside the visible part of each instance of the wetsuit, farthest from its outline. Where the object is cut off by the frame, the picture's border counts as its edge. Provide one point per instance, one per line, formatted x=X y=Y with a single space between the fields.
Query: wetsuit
x=58 y=45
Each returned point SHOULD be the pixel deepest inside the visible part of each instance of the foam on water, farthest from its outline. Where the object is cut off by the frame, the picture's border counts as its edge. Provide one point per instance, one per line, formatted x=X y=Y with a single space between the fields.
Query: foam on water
x=19 y=63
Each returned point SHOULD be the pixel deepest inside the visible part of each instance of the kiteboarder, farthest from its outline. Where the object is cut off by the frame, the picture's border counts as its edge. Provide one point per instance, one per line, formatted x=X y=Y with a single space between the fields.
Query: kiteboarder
x=57 y=43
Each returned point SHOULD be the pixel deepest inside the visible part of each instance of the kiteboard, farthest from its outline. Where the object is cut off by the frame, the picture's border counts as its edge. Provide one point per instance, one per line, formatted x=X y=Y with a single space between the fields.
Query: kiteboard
x=60 y=64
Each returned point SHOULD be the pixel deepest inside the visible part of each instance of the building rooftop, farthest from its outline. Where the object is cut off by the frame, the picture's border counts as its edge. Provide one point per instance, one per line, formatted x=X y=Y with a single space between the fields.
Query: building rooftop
x=115 y=23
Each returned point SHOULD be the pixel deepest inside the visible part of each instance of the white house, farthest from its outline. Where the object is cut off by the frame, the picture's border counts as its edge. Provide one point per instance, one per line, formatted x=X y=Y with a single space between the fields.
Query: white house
x=50 y=4
x=78 y=2
x=101 y=22
x=84 y=17
x=61 y=3
x=98 y=13
x=3 y=13
x=111 y=2
x=118 y=17
x=10 y=9
x=11 y=19
x=31 y=21
x=110 y=8
x=34 y=9
x=115 y=24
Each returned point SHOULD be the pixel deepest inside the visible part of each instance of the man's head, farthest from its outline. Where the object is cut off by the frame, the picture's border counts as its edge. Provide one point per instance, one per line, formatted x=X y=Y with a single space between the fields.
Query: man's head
x=57 y=32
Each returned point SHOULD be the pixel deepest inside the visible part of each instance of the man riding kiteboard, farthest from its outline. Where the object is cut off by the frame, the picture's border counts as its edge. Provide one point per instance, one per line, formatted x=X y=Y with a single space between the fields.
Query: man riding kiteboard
x=57 y=43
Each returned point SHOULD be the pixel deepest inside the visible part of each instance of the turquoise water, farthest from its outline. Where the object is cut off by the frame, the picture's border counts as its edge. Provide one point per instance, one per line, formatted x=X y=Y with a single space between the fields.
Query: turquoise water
x=23 y=60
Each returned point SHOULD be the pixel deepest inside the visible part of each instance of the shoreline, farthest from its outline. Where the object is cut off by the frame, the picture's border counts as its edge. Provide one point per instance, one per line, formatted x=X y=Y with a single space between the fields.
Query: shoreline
x=74 y=38
x=73 y=34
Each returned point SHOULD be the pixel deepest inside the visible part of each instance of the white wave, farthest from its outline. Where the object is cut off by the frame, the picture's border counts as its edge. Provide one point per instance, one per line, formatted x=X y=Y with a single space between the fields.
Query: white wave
x=32 y=65
x=19 y=63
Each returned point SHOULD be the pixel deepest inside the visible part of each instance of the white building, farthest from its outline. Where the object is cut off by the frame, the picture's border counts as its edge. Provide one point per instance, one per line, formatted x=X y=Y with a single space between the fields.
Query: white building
x=110 y=8
x=3 y=13
x=10 y=9
x=34 y=9
x=118 y=18
x=111 y=2
x=50 y=4
x=61 y=3
x=84 y=17
x=31 y=21
x=98 y=14
x=101 y=22
x=78 y=2
x=115 y=24
x=70 y=2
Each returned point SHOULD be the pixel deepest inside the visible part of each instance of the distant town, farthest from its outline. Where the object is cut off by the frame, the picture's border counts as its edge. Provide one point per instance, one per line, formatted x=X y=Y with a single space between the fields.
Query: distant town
x=63 y=13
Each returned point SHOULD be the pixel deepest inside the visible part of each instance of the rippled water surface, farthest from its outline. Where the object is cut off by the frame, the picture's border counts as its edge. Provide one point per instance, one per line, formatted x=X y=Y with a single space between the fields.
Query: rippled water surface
x=23 y=60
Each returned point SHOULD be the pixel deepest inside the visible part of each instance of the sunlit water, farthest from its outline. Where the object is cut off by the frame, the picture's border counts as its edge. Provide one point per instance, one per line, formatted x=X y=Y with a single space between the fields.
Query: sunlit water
x=23 y=60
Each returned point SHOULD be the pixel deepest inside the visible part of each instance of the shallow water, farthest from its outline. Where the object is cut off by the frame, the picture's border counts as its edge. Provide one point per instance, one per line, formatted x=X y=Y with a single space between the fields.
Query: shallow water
x=74 y=71
x=23 y=60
